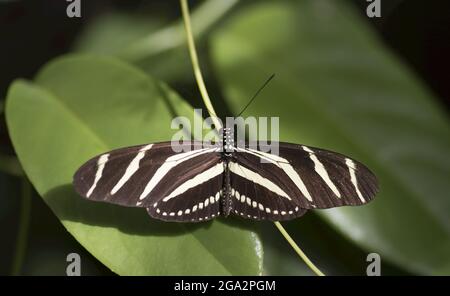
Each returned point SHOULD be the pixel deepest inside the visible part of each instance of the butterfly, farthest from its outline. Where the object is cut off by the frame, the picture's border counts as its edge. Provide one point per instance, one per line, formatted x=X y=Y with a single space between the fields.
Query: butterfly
x=205 y=180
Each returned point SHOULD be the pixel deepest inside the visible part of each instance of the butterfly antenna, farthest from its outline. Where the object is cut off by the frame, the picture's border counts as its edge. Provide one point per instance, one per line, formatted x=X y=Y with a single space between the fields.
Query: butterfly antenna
x=257 y=93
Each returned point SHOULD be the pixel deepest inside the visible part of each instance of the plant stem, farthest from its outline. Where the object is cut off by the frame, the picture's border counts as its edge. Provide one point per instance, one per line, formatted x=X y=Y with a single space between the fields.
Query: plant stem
x=173 y=36
x=24 y=224
x=298 y=250
x=196 y=66
x=211 y=111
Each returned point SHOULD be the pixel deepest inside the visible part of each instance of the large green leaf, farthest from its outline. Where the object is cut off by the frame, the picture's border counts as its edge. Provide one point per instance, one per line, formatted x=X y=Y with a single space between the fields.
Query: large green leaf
x=338 y=88
x=113 y=33
x=82 y=106
x=139 y=38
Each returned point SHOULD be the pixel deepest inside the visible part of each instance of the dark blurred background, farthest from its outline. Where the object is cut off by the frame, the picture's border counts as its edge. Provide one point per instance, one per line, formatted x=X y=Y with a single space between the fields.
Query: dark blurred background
x=35 y=31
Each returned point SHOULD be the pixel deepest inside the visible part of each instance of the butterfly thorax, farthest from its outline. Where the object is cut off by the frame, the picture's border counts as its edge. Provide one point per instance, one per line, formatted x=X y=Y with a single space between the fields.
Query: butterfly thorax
x=227 y=141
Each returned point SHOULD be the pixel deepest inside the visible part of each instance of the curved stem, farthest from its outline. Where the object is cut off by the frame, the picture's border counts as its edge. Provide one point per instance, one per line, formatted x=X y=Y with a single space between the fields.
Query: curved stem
x=24 y=224
x=212 y=113
x=173 y=36
x=196 y=65
x=298 y=250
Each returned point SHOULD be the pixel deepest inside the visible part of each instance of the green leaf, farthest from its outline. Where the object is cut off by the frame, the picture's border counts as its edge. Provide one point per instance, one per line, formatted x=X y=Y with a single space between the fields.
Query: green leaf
x=81 y=106
x=330 y=251
x=111 y=31
x=338 y=88
x=159 y=50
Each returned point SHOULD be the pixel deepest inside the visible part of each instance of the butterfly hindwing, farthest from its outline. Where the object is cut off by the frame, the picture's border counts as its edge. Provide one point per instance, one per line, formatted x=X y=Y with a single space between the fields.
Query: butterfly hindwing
x=197 y=204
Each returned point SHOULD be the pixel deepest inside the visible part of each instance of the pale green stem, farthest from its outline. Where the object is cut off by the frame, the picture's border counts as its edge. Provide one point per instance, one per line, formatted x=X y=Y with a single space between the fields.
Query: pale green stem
x=298 y=250
x=196 y=65
x=24 y=224
x=173 y=36
x=210 y=108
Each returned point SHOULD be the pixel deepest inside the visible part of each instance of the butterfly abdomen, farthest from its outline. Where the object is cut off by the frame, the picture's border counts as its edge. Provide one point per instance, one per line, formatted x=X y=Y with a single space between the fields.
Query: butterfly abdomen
x=226 y=192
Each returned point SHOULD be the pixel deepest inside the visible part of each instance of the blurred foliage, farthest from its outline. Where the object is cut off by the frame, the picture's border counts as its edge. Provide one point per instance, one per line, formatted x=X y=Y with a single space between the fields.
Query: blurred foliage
x=81 y=99
x=336 y=87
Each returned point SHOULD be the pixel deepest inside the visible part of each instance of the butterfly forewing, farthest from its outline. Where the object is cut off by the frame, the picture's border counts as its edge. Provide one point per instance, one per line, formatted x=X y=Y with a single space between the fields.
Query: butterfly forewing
x=311 y=177
x=146 y=174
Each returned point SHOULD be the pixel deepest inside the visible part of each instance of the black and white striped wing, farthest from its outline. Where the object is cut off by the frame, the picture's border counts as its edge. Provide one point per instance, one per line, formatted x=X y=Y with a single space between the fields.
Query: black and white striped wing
x=157 y=178
x=195 y=200
x=256 y=195
x=306 y=177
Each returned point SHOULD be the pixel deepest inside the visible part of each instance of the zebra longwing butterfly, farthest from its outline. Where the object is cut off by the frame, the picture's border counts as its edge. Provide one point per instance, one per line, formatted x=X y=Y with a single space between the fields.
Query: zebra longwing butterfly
x=208 y=181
